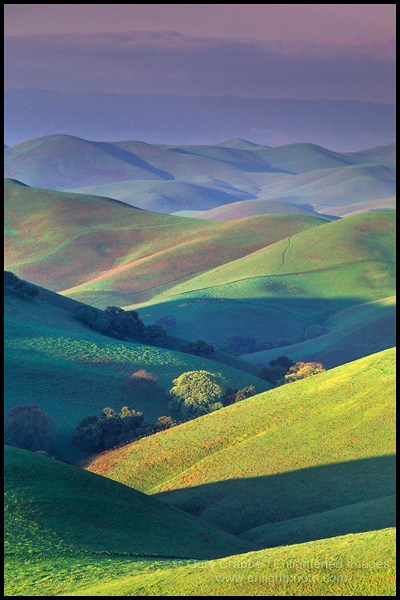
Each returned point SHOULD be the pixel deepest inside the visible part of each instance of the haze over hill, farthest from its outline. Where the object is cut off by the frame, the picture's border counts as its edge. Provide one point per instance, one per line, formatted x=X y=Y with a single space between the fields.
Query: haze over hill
x=342 y=125
x=178 y=179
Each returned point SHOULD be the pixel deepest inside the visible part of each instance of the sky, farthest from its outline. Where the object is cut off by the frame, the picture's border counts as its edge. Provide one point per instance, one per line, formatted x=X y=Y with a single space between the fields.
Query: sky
x=306 y=51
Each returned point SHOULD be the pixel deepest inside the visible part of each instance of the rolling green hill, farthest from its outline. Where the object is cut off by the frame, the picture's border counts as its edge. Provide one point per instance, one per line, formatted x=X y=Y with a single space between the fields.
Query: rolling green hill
x=279 y=291
x=105 y=252
x=354 y=565
x=58 y=511
x=88 y=371
x=312 y=446
x=351 y=333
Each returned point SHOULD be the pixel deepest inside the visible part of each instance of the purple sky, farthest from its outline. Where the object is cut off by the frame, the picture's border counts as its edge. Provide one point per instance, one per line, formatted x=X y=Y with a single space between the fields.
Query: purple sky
x=306 y=51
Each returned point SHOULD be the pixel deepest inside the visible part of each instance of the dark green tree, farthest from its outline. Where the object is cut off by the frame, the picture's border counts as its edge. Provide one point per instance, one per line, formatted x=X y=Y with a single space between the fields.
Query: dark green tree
x=281 y=361
x=199 y=348
x=25 y=290
x=27 y=427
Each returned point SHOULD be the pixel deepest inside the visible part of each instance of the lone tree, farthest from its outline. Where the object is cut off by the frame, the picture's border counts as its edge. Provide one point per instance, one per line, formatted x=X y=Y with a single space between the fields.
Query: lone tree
x=27 y=427
x=196 y=393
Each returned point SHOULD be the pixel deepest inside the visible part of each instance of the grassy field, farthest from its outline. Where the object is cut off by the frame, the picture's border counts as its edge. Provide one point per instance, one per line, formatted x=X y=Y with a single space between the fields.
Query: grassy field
x=310 y=447
x=353 y=565
x=69 y=532
x=268 y=276
x=53 y=360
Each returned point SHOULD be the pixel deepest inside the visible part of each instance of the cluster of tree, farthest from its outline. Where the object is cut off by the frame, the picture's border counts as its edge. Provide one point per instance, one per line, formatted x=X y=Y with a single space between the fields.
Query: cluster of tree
x=282 y=370
x=97 y=434
x=116 y=322
x=277 y=370
x=27 y=427
x=17 y=286
x=168 y=321
x=197 y=393
x=244 y=344
x=199 y=348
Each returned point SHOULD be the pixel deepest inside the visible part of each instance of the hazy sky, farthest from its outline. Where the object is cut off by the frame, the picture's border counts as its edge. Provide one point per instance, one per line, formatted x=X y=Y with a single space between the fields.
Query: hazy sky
x=235 y=21
x=306 y=51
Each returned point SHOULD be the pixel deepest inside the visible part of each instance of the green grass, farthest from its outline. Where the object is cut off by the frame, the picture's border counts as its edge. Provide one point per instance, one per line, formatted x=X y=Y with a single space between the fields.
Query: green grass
x=379 y=513
x=56 y=509
x=70 y=532
x=353 y=565
x=308 y=447
x=53 y=360
x=279 y=291
x=95 y=248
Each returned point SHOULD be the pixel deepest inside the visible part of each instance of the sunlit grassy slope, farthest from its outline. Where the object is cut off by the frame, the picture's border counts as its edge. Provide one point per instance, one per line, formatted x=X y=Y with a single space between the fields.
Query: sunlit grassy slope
x=305 y=448
x=53 y=360
x=363 y=564
x=97 y=248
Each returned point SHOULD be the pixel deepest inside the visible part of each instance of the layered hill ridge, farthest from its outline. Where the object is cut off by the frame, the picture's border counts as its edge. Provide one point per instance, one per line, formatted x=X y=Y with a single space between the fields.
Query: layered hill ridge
x=309 y=447
x=170 y=178
x=318 y=273
x=253 y=276
x=61 y=240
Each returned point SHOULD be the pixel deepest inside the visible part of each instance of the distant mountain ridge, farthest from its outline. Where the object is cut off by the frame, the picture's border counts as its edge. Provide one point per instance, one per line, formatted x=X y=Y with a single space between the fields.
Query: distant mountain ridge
x=175 y=119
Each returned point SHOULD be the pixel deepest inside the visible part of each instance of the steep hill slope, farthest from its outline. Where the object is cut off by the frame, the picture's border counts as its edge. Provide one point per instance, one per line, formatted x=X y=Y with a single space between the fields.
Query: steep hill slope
x=355 y=565
x=302 y=449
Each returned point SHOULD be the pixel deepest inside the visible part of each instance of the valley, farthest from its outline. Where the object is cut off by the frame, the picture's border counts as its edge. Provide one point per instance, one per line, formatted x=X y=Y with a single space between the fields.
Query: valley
x=130 y=265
